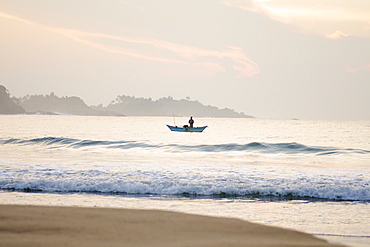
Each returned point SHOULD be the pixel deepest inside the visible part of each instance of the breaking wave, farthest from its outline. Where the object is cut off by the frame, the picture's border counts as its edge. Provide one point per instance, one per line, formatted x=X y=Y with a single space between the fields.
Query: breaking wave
x=204 y=180
x=278 y=182
x=273 y=148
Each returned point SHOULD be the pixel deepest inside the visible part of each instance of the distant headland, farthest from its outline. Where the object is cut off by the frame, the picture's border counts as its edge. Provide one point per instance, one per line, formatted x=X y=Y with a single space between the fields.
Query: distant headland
x=9 y=105
x=122 y=106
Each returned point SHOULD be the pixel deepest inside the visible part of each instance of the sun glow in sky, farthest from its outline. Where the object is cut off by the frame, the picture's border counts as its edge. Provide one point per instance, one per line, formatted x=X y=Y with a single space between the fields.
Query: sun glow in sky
x=268 y=58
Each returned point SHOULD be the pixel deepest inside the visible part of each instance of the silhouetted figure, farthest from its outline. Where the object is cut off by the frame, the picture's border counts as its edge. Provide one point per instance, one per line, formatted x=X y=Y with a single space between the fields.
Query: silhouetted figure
x=191 y=122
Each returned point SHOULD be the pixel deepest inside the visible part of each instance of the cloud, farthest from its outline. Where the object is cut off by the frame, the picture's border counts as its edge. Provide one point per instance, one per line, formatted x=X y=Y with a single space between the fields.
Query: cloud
x=365 y=67
x=206 y=62
x=163 y=51
x=337 y=35
x=314 y=16
x=12 y=17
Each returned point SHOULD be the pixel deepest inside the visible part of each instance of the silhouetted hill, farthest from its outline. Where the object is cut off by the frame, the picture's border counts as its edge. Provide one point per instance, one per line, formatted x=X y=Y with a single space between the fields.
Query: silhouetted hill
x=52 y=104
x=121 y=106
x=9 y=105
x=133 y=106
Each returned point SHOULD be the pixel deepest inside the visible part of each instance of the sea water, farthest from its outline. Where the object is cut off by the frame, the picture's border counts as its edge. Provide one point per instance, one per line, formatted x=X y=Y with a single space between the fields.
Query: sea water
x=312 y=176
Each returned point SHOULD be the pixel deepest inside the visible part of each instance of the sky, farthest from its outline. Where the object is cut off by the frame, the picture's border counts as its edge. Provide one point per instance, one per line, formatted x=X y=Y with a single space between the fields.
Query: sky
x=278 y=59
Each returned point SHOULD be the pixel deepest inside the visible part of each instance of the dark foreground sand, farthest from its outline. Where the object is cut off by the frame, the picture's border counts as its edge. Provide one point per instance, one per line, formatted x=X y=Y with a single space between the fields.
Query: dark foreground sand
x=74 y=226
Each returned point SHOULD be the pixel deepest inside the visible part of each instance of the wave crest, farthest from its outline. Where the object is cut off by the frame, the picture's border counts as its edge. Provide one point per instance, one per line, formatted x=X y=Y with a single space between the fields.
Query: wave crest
x=272 y=148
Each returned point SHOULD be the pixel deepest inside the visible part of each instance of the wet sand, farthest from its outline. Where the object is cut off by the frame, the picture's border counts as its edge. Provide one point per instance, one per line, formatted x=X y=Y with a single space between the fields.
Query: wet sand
x=76 y=226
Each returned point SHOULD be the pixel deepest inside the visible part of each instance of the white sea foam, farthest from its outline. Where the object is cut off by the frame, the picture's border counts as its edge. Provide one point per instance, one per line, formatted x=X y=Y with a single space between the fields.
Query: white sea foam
x=206 y=180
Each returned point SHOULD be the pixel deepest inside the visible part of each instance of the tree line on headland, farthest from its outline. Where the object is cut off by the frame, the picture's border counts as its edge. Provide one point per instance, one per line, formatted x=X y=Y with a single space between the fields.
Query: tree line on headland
x=122 y=106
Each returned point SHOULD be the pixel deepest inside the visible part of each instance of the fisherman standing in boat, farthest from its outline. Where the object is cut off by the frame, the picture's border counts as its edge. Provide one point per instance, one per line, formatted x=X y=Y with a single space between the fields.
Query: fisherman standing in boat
x=191 y=122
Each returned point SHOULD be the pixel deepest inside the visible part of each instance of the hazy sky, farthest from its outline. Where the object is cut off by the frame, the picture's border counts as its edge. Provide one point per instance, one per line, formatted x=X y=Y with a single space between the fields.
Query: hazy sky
x=307 y=59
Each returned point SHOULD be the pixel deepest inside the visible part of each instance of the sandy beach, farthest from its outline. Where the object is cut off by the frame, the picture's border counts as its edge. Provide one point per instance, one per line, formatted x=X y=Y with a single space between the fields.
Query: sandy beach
x=76 y=226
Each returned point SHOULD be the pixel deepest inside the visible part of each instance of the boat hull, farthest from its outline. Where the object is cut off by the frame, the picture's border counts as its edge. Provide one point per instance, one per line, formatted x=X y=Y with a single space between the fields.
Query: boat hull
x=186 y=129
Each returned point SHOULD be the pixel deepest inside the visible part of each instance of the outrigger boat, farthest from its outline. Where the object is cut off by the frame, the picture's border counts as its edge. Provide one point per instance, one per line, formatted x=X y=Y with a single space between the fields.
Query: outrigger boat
x=186 y=128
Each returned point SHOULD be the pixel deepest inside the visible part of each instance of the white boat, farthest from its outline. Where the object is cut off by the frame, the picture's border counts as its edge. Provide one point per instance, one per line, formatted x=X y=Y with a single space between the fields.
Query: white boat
x=186 y=128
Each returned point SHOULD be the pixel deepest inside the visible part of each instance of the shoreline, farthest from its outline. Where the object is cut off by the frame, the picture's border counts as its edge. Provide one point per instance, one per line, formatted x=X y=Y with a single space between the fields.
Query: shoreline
x=25 y=225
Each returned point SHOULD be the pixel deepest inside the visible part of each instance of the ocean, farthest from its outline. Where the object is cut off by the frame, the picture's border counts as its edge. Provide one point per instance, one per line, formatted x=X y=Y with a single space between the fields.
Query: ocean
x=311 y=176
